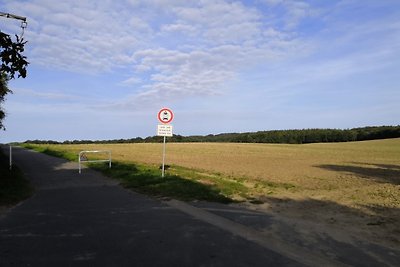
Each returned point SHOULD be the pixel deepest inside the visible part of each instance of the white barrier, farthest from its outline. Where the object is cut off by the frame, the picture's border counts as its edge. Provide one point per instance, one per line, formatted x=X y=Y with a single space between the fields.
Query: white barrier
x=82 y=157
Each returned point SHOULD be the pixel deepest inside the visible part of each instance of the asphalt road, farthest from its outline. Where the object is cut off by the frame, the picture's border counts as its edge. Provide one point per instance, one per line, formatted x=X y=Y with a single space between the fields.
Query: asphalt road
x=89 y=220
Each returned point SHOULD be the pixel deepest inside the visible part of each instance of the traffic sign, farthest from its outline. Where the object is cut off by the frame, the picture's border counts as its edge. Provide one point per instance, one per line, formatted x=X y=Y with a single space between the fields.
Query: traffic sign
x=164 y=130
x=165 y=115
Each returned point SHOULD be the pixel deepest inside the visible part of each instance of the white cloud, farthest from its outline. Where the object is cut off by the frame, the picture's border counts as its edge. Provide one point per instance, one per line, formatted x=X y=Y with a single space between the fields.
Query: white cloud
x=220 y=39
x=45 y=95
x=80 y=35
x=294 y=11
x=178 y=27
x=198 y=72
x=220 y=22
x=131 y=81
x=173 y=48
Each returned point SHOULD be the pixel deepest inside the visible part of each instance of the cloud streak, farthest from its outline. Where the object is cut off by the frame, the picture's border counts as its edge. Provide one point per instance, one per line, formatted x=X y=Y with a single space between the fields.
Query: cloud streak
x=191 y=48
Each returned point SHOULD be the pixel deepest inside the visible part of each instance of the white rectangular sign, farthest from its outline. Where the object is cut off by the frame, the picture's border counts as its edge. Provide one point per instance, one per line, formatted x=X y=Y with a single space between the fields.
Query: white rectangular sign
x=164 y=130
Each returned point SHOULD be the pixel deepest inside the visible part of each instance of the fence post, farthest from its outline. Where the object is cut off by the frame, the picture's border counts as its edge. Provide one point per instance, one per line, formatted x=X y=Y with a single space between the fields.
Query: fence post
x=79 y=160
x=109 y=158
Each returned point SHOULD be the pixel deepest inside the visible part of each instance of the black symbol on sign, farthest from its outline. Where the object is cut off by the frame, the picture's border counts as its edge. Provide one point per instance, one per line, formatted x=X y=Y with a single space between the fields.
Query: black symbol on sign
x=165 y=116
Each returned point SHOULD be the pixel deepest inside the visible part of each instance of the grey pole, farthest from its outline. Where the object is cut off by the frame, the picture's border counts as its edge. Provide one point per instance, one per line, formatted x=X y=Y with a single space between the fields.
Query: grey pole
x=163 y=160
x=10 y=157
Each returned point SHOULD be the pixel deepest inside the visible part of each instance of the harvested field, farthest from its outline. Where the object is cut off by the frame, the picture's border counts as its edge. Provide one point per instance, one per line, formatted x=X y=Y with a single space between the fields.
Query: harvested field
x=355 y=172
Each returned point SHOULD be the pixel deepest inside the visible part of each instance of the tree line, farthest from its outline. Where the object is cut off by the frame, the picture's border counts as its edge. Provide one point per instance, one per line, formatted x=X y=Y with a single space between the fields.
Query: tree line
x=304 y=136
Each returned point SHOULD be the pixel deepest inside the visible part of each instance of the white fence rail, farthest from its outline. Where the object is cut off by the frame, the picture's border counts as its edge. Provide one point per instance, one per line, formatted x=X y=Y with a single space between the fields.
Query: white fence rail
x=82 y=158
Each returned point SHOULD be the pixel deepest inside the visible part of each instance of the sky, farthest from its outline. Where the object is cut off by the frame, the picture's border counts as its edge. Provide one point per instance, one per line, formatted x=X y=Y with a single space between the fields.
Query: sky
x=103 y=69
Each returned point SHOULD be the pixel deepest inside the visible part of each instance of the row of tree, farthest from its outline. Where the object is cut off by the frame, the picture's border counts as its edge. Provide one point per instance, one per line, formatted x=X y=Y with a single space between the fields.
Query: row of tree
x=304 y=136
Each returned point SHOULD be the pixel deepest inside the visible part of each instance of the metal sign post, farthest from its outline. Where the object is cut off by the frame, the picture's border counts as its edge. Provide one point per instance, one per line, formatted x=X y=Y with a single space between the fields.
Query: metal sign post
x=165 y=116
x=163 y=159
x=10 y=157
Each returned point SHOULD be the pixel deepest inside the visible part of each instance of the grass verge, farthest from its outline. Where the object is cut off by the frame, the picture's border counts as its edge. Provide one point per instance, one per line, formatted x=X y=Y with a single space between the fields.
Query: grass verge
x=56 y=153
x=147 y=180
x=13 y=186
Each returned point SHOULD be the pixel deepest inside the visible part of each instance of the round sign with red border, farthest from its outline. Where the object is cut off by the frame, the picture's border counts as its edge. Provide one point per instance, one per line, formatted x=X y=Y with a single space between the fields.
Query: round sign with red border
x=165 y=115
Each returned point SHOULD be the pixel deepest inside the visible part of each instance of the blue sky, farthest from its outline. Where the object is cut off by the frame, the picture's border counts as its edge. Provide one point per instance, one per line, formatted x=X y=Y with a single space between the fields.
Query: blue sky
x=103 y=69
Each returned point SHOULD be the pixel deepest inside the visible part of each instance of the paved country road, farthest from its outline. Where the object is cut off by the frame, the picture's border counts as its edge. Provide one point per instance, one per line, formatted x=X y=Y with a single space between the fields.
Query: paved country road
x=89 y=220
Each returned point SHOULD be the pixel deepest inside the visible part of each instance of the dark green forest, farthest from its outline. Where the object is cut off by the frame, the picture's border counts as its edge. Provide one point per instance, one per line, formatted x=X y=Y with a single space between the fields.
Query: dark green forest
x=304 y=136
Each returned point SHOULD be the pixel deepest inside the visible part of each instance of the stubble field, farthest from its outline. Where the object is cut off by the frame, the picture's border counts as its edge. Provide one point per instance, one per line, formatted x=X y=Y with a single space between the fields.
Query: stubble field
x=355 y=172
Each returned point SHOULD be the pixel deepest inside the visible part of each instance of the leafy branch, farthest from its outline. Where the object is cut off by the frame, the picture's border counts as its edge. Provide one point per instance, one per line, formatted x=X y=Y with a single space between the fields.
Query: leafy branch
x=12 y=60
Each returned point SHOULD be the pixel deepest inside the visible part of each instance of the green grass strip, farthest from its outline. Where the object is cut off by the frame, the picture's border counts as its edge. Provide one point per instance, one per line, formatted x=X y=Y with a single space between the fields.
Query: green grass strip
x=148 y=180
